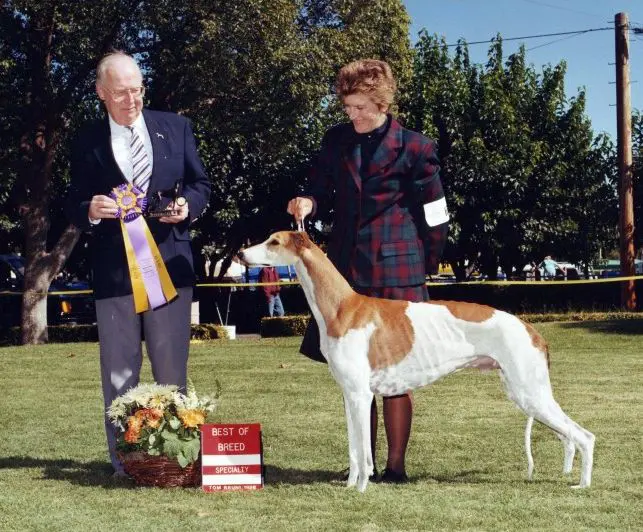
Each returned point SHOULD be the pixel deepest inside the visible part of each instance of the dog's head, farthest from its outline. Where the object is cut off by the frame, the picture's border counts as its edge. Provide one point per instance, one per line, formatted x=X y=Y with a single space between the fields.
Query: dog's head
x=280 y=249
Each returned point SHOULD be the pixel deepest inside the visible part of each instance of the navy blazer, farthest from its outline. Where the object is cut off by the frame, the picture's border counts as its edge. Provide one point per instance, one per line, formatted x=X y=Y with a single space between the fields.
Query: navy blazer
x=380 y=236
x=95 y=171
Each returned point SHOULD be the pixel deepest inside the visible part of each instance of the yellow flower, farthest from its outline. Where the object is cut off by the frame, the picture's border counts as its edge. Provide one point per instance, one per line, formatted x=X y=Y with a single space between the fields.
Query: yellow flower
x=191 y=418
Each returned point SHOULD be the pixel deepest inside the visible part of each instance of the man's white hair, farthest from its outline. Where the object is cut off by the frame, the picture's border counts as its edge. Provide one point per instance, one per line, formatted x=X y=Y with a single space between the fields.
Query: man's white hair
x=108 y=62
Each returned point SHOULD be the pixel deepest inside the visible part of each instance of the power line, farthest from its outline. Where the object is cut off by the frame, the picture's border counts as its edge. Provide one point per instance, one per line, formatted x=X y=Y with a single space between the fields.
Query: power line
x=540 y=36
x=553 y=42
x=561 y=8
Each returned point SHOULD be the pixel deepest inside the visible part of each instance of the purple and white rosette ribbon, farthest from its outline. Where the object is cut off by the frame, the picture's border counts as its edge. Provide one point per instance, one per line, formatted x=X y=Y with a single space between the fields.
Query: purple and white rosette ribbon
x=131 y=203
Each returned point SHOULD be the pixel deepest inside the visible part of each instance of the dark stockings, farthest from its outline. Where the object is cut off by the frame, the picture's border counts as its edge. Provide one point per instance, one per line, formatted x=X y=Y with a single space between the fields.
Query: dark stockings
x=398 y=413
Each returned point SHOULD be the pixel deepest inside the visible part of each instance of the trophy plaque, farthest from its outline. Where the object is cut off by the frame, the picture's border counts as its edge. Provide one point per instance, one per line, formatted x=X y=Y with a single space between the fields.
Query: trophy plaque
x=155 y=208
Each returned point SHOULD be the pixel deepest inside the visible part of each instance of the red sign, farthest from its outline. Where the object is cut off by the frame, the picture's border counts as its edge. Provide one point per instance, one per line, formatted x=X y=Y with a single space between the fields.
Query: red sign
x=231 y=457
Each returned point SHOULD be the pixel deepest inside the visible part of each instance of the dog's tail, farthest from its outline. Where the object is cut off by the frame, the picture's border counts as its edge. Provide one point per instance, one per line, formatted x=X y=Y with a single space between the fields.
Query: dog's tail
x=530 y=458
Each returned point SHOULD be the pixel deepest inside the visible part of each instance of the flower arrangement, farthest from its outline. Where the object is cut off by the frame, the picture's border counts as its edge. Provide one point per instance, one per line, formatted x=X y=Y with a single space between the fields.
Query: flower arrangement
x=159 y=420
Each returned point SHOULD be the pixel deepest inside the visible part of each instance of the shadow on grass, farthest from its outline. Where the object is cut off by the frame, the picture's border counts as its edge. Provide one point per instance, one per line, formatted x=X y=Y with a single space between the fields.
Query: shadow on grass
x=277 y=475
x=81 y=473
x=281 y=475
x=100 y=474
x=633 y=326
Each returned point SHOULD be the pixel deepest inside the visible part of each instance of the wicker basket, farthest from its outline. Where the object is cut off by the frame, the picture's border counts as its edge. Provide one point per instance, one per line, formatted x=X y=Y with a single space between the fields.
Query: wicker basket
x=160 y=471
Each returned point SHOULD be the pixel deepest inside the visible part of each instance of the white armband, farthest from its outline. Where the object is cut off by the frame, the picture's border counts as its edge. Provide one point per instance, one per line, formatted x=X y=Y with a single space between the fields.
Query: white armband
x=436 y=212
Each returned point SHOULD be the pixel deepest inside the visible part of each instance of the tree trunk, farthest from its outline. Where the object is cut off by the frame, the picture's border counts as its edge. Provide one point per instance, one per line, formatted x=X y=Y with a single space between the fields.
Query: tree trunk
x=46 y=103
x=41 y=265
x=34 y=316
x=40 y=270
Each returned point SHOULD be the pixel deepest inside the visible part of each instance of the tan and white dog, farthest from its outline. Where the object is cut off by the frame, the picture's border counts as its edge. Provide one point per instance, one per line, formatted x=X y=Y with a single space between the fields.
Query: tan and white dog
x=389 y=347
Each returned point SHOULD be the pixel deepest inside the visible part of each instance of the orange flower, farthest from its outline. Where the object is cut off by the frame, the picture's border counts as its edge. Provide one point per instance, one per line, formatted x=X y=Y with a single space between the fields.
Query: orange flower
x=191 y=418
x=154 y=417
x=149 y=417
x=134 y=425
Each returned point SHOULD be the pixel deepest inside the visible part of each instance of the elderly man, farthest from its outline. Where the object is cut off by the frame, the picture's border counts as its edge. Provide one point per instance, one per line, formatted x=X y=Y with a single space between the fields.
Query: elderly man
x=156 y=153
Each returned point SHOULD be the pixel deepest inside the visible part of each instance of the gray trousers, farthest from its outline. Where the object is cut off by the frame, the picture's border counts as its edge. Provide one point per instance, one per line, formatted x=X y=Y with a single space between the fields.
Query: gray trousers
x=167 y=339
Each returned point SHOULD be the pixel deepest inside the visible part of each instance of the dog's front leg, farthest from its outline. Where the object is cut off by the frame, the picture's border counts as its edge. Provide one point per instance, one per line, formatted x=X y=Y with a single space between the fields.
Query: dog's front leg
x=358 y=408
x=352 y=447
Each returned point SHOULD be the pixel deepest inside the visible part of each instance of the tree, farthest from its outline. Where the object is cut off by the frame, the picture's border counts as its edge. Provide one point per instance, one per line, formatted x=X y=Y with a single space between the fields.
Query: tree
x=637 y=160
x=256 y=77
x=520 y=166
x=48 y=54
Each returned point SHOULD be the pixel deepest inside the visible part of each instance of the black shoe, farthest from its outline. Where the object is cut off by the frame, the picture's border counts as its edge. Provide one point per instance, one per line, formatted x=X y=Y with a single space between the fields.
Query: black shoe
x=393 y=477
x=372 y=478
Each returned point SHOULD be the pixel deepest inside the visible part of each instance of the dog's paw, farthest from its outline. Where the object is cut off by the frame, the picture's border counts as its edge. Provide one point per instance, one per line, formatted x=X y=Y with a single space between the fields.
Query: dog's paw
x=352 y=479
x=363 y=482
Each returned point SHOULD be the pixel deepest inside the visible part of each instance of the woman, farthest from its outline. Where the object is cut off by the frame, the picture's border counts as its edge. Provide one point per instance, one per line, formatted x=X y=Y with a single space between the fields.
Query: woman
x=390 y=218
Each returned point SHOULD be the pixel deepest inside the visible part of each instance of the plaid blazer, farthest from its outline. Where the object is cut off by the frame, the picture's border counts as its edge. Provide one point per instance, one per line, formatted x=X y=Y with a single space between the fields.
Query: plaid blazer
x=380 y=236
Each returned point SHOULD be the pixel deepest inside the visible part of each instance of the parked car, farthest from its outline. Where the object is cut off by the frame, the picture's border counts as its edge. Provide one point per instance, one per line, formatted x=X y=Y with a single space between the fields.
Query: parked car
x=63 y=305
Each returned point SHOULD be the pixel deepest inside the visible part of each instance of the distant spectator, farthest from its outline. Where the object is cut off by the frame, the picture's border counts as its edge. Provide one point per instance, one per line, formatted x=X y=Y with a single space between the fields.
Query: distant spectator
x=271 y=291
x=549 y=267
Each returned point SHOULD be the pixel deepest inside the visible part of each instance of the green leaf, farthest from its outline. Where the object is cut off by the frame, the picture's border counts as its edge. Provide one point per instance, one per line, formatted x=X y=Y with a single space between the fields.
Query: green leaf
x=183 y=461
x=171 y=444
x=192 y=449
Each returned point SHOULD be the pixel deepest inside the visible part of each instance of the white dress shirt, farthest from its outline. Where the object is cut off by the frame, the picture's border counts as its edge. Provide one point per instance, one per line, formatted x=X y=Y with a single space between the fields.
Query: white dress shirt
x=120 y=139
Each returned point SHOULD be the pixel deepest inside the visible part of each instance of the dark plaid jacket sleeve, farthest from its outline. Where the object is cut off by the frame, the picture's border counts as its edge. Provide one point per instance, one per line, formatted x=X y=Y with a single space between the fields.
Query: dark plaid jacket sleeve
x=426 y=192
x=321 y=183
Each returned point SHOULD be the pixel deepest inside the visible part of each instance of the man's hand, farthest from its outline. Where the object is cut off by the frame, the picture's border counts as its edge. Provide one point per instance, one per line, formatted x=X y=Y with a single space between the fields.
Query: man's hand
x=102 y=207
x=182 y=213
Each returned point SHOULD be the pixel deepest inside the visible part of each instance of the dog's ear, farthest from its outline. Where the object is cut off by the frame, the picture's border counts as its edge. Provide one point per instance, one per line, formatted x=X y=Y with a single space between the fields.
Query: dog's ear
x=301 y=240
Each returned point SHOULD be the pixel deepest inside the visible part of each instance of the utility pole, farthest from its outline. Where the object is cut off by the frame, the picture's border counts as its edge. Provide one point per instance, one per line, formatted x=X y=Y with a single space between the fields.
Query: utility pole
x=624 y=149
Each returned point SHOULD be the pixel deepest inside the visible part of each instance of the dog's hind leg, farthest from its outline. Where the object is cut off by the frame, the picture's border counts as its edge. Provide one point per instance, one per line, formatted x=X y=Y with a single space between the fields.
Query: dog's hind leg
x=568 y=445
x=553 y=416
x=570 y=451
x=538 y=401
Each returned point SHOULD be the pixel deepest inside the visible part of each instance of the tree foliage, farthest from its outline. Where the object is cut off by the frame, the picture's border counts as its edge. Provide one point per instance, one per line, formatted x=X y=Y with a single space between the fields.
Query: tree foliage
x=523 y=173
x=48 y=53
x=637 y=160
x=256 y=77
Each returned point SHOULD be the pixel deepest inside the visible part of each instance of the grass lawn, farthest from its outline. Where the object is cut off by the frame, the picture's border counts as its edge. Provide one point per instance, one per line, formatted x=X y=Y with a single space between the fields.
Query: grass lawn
x=465 y=460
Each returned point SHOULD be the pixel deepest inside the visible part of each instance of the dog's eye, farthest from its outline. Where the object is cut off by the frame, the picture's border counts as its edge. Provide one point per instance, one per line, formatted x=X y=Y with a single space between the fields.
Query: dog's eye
x=272 y=242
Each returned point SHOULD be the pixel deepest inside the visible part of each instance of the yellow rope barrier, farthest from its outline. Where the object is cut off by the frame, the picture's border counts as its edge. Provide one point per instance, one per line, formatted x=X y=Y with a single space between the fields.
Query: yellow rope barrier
x=428 y=283
x=540 y=283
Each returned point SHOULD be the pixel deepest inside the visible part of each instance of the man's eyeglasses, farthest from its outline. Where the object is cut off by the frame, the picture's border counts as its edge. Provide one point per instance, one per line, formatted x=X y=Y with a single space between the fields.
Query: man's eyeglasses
x=122 y=95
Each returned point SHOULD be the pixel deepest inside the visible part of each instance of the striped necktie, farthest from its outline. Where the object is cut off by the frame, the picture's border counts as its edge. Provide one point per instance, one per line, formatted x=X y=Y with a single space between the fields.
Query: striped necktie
x=142 y=170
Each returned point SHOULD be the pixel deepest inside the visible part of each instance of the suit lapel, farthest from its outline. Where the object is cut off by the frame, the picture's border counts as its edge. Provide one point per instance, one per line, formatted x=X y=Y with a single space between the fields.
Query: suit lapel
x=352 y=157
x=388 y=150
x=105 y=155
x=159 y=136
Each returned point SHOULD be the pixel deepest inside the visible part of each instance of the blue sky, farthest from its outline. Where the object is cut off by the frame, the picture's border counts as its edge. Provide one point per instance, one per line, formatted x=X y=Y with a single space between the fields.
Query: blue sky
x=588 y=56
